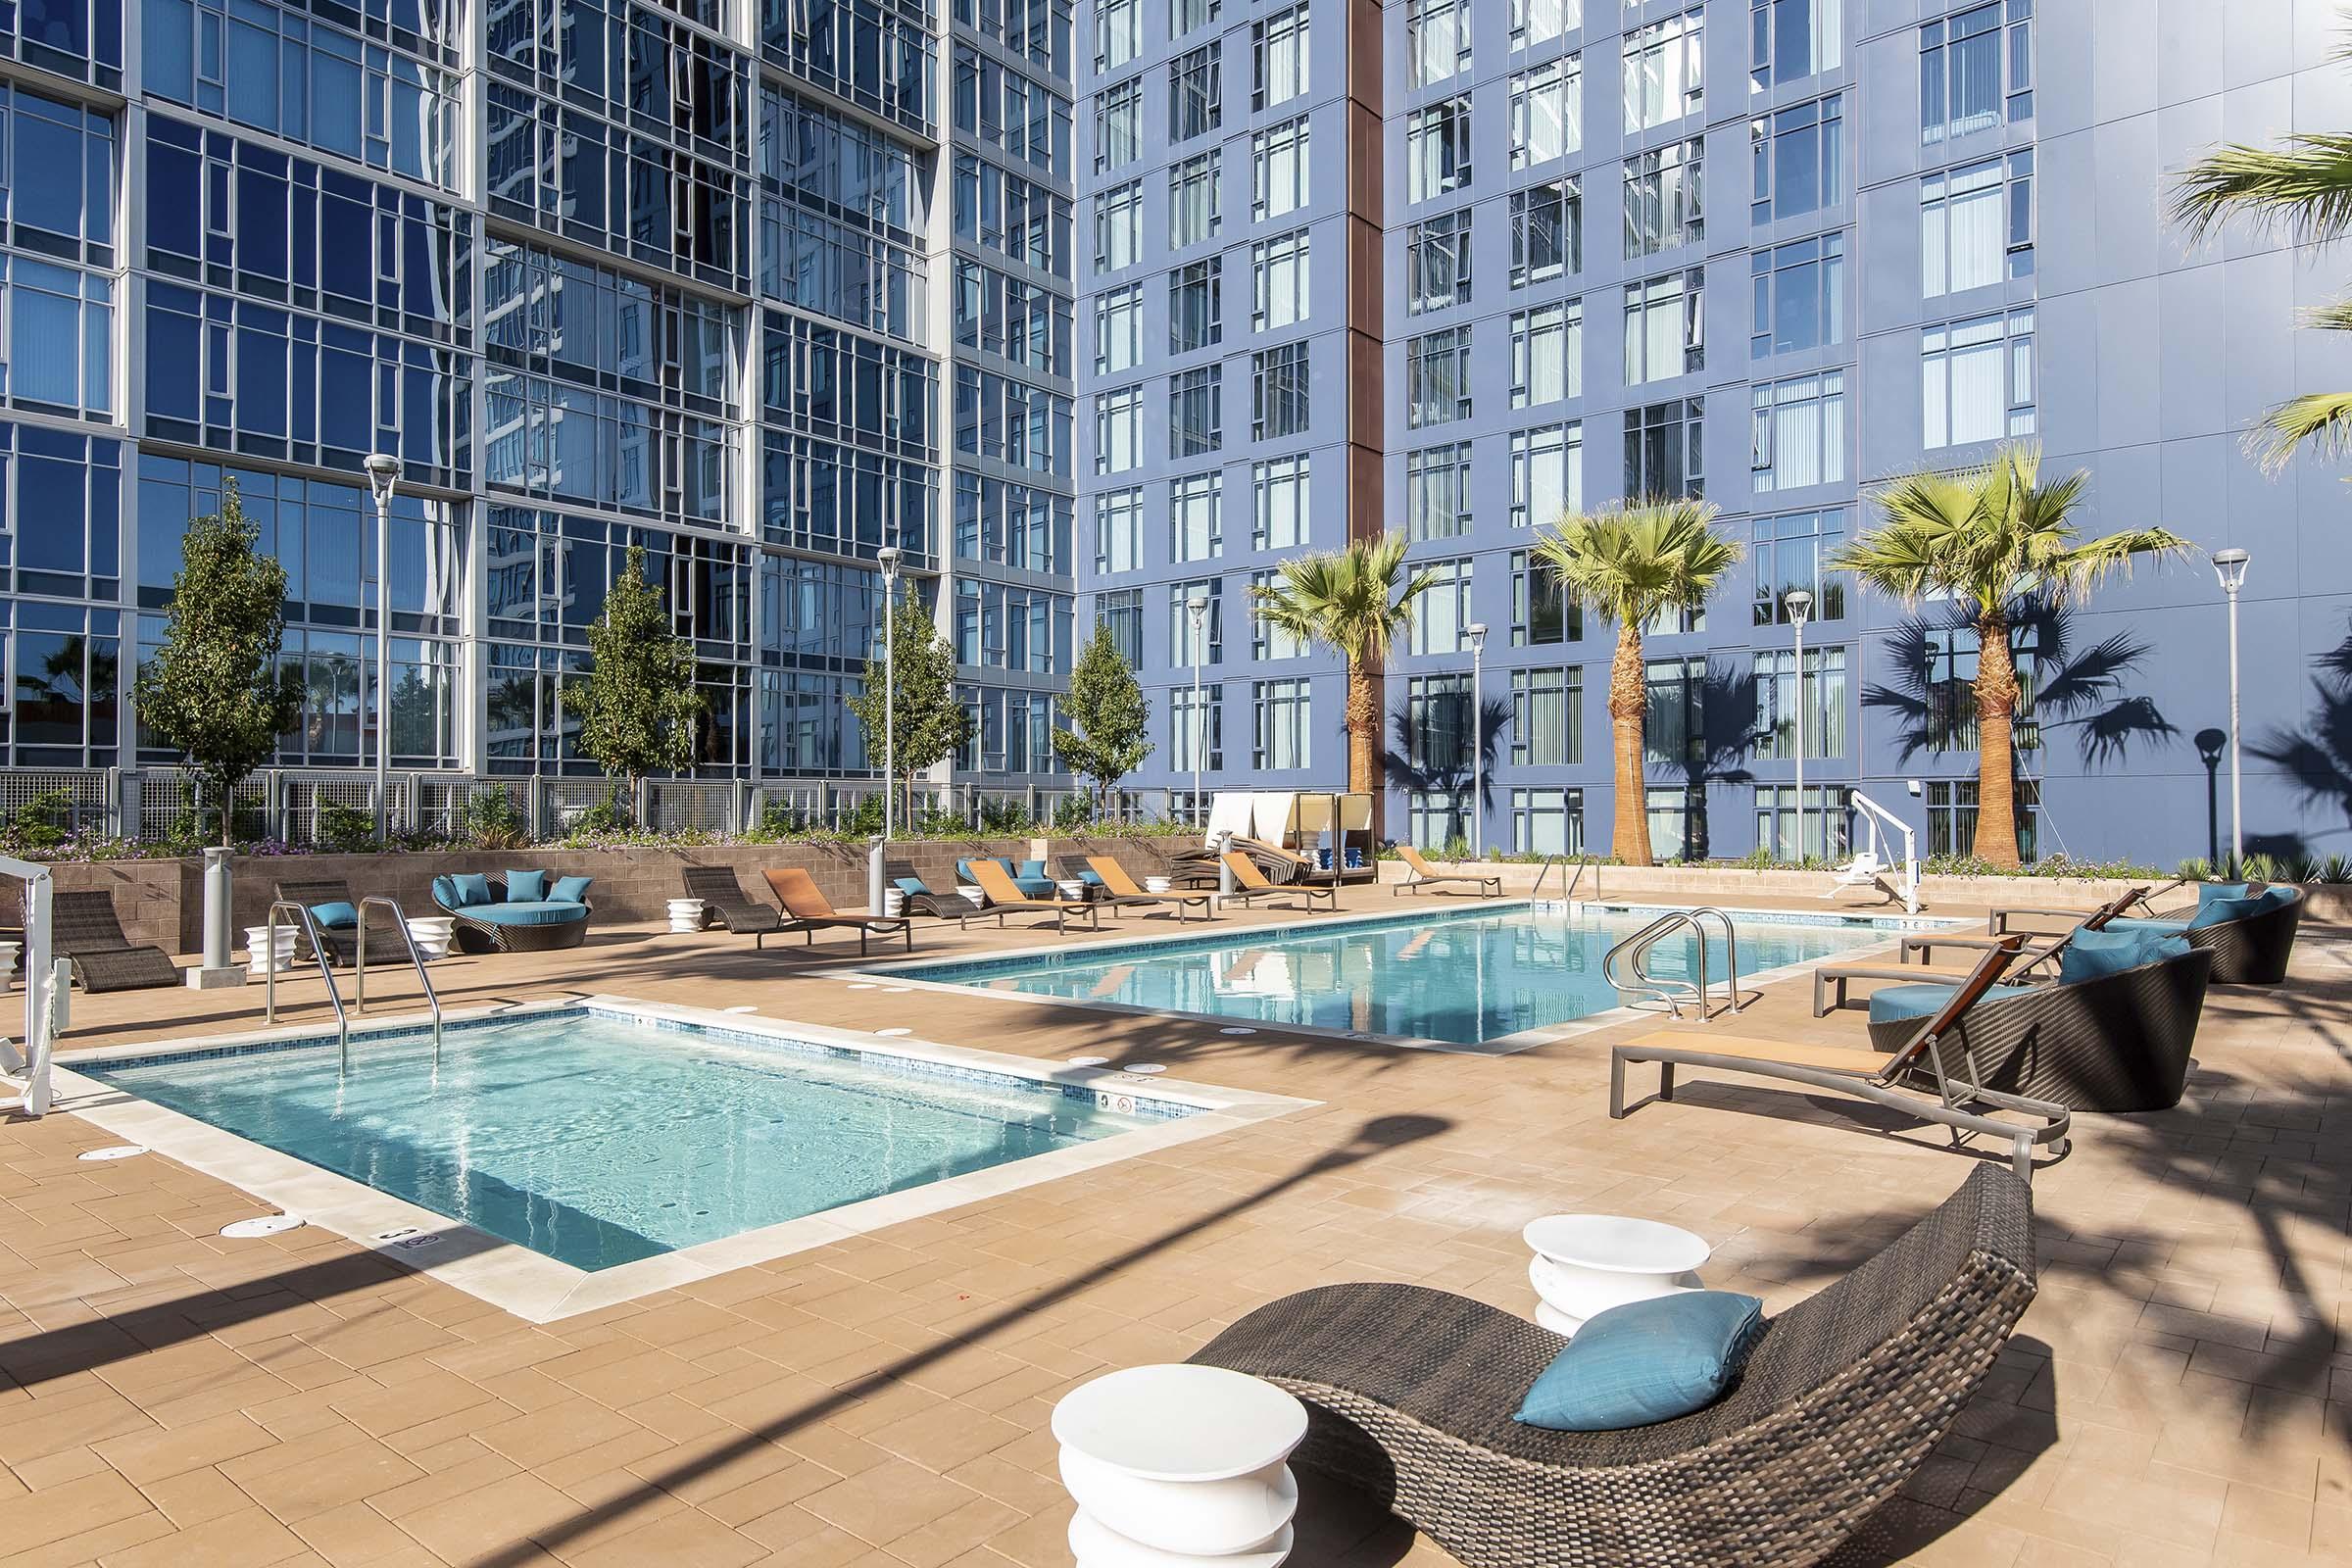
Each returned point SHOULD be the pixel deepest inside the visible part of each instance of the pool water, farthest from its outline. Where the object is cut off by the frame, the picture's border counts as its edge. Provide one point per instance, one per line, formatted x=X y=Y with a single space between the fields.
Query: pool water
x=1463 y=979
x=599 y=1139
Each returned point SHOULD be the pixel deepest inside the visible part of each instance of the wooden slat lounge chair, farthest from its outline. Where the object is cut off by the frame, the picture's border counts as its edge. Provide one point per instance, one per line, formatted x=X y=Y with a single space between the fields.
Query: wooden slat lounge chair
x=724 y=901
x=1004 y=899
x=1120 y=891
x=2252 y=949
x=1250 y=885
x=83 y=927
x=1409 y=1394
x=1924 y=943
x=1938 y=1054
x=806 y=910
x=342 y=943
x=1426 y=875
x=1280 y=866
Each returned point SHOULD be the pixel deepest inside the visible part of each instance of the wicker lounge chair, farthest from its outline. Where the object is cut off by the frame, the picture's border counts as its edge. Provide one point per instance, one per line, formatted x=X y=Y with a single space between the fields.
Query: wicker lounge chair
x=1120 y=891
x=1937 y=1056
x=1426 y=875
x=1250 y=885
x=1004 y=899
x=82 y=926
x=724 y=901
x=1409 y=1394
x=920 y=900
x=2250 y=950
x=807 y=911
x=476 y=930
x=342 y=942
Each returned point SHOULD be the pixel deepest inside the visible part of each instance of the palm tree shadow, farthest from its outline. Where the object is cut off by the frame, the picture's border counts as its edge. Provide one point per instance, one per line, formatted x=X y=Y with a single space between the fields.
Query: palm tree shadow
x=2318 y=753
x=1430 y=758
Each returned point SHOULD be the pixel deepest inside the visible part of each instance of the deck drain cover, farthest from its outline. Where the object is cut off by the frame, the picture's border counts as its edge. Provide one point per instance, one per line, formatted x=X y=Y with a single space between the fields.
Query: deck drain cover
x=117 y=1152
x=1144 y=1069
x=861 y=985
x=1237 y=1031
x=889 y=991
x=1088 y=1061
x=746 y=1007
x=894 y=1032
x=265 y=1225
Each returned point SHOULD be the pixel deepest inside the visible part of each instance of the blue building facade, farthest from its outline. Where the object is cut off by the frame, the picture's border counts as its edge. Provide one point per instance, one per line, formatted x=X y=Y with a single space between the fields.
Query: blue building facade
x=1551 y=254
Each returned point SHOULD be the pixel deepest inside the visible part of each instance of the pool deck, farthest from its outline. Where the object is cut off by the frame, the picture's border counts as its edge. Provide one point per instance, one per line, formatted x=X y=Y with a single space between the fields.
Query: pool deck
x=2178 y=1394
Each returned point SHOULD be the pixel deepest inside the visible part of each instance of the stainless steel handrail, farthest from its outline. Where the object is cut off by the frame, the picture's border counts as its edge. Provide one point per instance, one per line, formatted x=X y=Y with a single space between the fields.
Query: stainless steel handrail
x=1672 y=991
x=1568 y=883
x=399 y=923
x=334 y=993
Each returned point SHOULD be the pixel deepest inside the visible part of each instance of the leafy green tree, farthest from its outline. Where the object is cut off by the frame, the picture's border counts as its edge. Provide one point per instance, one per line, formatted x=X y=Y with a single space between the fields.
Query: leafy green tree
x=215 y=692
x=927 y=723
x=1996 y=539
x=637 y=704
x=1107 y=706
x=1630 y=564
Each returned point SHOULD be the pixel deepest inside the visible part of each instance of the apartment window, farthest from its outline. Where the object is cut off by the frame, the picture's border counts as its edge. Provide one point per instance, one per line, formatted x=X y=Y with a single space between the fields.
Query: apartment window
x=1547 y=112
x=1278 y=491
x=1118 y=226
x=1663 y=450
x=1547 y=821
x=1548 y=716
x=1977 y=378
x=1197 y=729
x=1952 y=817
x=1195 y=412
x=1546 y=354
x=1665 y=326
x=1442 y=609
x=1547 y=232
x=1793 y=38
x=1278 y=51
x=1437 y=377
x=1280 y=721
x=1197 y=518
x=1209 y=645
x=1195 y=305
x=1123 y=614
x=1548 y=474
x=1118 y=530
x=1793 y=552
x=1675 y=729
x=1278 y=168
x=1192 y=200
x=1829 y=808
x=1976 y=224
x=1278 y=392
x=1677 y=818
x=1186 y=15
x=1662 y=71
x=1195 y=95
x=1797 y=159
x=1974 y=66
x=1278 y=282
x=1798 y=296
x=1118 y=430
x=1436 y=263
x=1439 y=819
x=1437 y=40
x=1268 y=640
x=1663 y=199
x=1543 y=615
x=1118 y=32
x=1777 y=700
x=1437 y=491
x=1437 y=149
x=1537 y=22
x=1436 y=710
x=1118 y=328
x=1118 y=126
x=1798 y=435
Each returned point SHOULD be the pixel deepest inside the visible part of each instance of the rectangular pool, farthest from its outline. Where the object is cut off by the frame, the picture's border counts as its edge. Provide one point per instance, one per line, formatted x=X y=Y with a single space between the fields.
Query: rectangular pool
x=1472 y=979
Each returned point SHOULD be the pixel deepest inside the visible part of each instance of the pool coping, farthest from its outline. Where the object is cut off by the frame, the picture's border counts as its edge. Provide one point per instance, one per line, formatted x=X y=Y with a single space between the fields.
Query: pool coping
x=908 y=973
x=540 y=1290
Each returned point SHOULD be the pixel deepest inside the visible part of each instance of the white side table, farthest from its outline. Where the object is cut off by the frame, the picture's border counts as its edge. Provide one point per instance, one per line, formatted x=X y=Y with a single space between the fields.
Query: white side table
x=685 y=915
x=1588 y=1263
x=971 y=895
x=1074 y=891
x=257 y=939
x=1174 y=1466
x=431 y=933
x=1157 y=884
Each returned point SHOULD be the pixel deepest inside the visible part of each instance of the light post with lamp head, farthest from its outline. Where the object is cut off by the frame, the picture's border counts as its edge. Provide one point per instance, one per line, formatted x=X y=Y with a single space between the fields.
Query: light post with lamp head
x=1198 y=608
x=1800 y=605
x=383 y=475
x=2230 y=566
x=1478 y=763
x=889 y=558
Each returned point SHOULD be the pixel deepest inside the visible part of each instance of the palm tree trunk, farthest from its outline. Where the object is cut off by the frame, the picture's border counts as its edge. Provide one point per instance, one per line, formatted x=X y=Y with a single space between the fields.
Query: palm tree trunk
x=1363 y=739
x=1629 y=703
x=1996 y=748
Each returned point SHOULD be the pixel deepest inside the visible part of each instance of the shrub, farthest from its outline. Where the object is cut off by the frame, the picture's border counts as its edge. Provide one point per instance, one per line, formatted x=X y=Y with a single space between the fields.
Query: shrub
x=345 y=829
x=37 y=824
x=999 y=816
x=493 y=821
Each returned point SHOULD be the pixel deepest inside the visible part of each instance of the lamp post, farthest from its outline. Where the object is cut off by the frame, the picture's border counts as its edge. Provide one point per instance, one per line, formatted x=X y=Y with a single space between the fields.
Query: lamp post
x=1198 y=608
x=1800 y=605
x=383 y=473
x=1478 y=763
x=2230 y=566
x=889 y=558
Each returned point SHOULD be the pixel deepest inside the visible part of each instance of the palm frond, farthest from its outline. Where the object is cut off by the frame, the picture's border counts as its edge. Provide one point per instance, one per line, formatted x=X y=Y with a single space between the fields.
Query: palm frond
x=2319 y=421
x=2303 y=185
x=2335 y=316
x=1627 y=563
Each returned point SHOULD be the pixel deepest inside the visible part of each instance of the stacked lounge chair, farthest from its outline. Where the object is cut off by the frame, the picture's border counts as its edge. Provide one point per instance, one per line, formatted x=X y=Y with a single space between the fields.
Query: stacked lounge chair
x=1250 y=885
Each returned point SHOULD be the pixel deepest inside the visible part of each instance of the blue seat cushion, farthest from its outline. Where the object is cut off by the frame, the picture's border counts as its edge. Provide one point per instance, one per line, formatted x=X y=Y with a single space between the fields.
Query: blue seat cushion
x=526 y=887
x=2095 y=955
x=532 y=912
x=1035 y=887
x=567 y=890
x=1645 y=1362
x=2140 y=923
x=2220 y=912
x=1917 y=1000
x=335 y=916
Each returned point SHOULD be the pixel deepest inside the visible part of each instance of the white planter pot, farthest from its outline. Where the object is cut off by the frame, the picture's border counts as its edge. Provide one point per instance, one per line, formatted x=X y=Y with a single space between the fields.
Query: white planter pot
x=685 y=915
x=257 y=940
x=432 y=934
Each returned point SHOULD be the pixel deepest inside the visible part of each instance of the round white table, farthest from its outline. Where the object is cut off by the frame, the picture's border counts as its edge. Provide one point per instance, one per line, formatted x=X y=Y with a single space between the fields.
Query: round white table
x=1174 y=1466
x=1588 y=1263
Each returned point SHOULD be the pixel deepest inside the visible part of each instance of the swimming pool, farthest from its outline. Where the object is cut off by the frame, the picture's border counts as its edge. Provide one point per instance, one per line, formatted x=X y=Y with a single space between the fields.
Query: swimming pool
x=1472 y=980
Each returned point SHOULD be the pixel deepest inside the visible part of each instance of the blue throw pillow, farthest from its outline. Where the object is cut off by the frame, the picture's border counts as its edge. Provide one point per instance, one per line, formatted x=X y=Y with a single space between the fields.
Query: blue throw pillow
x=526 y=887
x=912 y=886
x=2278 y=896
x=2207 y=892
x=2220 y=912
x=1645 y=1362
x=2095 y=955
x=963 y=871
x=445 y=892
x=567 y=890
x=472 y=888
x=1033 y=869
x=335 y=916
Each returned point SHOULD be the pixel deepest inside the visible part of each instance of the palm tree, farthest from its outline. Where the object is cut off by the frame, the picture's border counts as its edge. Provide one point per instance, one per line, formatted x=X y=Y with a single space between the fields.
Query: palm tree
x=1629 y=564
x=1355 y=601
x=2000 y=541
x=2304 y=187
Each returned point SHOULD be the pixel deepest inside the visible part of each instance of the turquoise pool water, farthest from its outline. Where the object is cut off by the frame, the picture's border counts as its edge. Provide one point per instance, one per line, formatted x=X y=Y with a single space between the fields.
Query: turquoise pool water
x=1465 y=979
x=596 y=1138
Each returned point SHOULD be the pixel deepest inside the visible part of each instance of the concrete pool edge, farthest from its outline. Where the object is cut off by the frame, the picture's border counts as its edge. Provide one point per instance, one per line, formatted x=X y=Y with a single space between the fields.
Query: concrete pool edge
x=540 y=1290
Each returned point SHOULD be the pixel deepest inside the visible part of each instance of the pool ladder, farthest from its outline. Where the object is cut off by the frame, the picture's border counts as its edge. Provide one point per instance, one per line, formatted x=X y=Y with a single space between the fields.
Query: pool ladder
x=308 y=926
x=1673 y=992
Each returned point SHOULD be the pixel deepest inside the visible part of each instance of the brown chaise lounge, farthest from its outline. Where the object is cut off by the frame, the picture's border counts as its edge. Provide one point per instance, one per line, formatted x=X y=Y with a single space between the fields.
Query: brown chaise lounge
x=1250 y=885
x=82 y=926
x=1004 y=899
x=1120 y=891
x=807 y=911
x=1426 y=875
x=1409 y=1394
x=724 y=901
